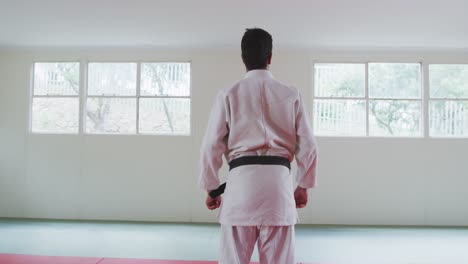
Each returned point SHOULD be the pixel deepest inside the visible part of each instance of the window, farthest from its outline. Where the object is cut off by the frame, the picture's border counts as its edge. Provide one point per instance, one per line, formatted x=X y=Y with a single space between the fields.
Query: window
x=111 y=104
x=143 y=98
x=165 y=102
x=340 y=106
x=120 y=98
x=448 y=100
x=395 y=99
x=374 y=99
x=55 y=98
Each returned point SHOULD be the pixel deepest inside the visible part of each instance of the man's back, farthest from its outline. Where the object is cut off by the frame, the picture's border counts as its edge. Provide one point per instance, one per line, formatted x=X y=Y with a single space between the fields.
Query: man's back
x=261 y=117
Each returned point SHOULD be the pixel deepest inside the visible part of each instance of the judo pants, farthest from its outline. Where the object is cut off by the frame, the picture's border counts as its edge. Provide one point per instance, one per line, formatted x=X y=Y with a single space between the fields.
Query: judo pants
x=275 y=244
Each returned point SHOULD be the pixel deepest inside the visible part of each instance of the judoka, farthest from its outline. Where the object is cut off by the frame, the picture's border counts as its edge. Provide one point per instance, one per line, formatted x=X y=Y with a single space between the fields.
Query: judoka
x=260 y=125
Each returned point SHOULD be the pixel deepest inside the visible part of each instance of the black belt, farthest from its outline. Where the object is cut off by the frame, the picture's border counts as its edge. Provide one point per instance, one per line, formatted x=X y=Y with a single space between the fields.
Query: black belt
x=251 y=160
x=261 y=160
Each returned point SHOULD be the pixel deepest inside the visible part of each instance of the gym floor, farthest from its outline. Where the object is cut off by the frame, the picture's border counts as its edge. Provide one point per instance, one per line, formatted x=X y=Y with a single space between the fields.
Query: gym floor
x=174 y=241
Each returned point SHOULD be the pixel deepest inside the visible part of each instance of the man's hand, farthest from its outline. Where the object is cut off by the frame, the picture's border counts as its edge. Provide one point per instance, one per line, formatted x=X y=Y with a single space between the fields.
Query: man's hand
x=213 y=203
x=300 y=196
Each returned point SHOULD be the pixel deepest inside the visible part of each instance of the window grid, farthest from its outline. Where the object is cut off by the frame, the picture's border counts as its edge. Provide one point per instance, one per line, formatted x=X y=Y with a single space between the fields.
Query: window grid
x=456 y=123
x=174 y=75
x=83 y=93
x=52 y=95
x=449 y=99
x=368 y=100
x=82 y=98
x=137 y=97
x=111 y=97
x=366 y=91
x=138 y=94
x=425 y=96
x=347 y=105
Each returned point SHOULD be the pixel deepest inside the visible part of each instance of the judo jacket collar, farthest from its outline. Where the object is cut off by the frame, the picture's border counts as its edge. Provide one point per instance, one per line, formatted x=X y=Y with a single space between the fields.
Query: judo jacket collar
x=262 y=74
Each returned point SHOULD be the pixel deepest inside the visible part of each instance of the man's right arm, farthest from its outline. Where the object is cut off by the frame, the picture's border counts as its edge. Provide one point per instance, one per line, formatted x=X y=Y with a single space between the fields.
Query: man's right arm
x=214 y=145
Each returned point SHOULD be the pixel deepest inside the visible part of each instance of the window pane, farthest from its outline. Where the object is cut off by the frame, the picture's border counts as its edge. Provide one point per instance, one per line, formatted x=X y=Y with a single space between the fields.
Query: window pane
x=395 y=80
x=111 y=115
x=448 y=118
x=56 y=78
x=448 y=81
x=112 y=78
x=340 y=117
x=339 y=80
x=394 y=118
x=165 y=79
x=55 y=115
x=165 y=116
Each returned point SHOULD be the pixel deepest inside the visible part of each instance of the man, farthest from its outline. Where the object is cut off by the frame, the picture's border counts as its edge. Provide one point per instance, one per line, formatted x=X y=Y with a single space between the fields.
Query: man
x=260 y=125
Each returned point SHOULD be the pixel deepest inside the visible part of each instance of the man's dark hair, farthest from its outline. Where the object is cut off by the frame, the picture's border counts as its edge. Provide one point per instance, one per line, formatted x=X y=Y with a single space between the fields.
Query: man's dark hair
x=256 y=48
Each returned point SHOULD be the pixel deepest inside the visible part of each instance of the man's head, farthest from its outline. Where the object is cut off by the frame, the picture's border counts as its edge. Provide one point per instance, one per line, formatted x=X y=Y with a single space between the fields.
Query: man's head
x=256 y=48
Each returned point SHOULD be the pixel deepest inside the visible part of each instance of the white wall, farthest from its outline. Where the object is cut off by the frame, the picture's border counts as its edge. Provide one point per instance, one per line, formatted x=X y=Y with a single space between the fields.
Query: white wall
x=153 y=178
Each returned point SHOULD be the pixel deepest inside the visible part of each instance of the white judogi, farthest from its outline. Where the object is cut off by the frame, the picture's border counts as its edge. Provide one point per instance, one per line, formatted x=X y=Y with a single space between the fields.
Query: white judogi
x=258 y=116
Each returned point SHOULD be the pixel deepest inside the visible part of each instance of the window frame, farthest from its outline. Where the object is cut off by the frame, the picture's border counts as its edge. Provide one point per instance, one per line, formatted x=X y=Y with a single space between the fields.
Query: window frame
x=189 y=96
x=87 y=96
x=32 y=96
x=137 y=96
x=83 y=96
x=367 y=99
x=346 y=98
x=429 y=99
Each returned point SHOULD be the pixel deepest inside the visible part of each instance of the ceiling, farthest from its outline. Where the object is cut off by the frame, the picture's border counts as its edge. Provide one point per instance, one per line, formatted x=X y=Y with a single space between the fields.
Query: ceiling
x=426 y=24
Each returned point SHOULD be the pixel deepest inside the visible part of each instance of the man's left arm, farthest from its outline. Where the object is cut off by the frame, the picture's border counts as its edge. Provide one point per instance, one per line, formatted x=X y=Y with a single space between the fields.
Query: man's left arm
x=306 y=155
